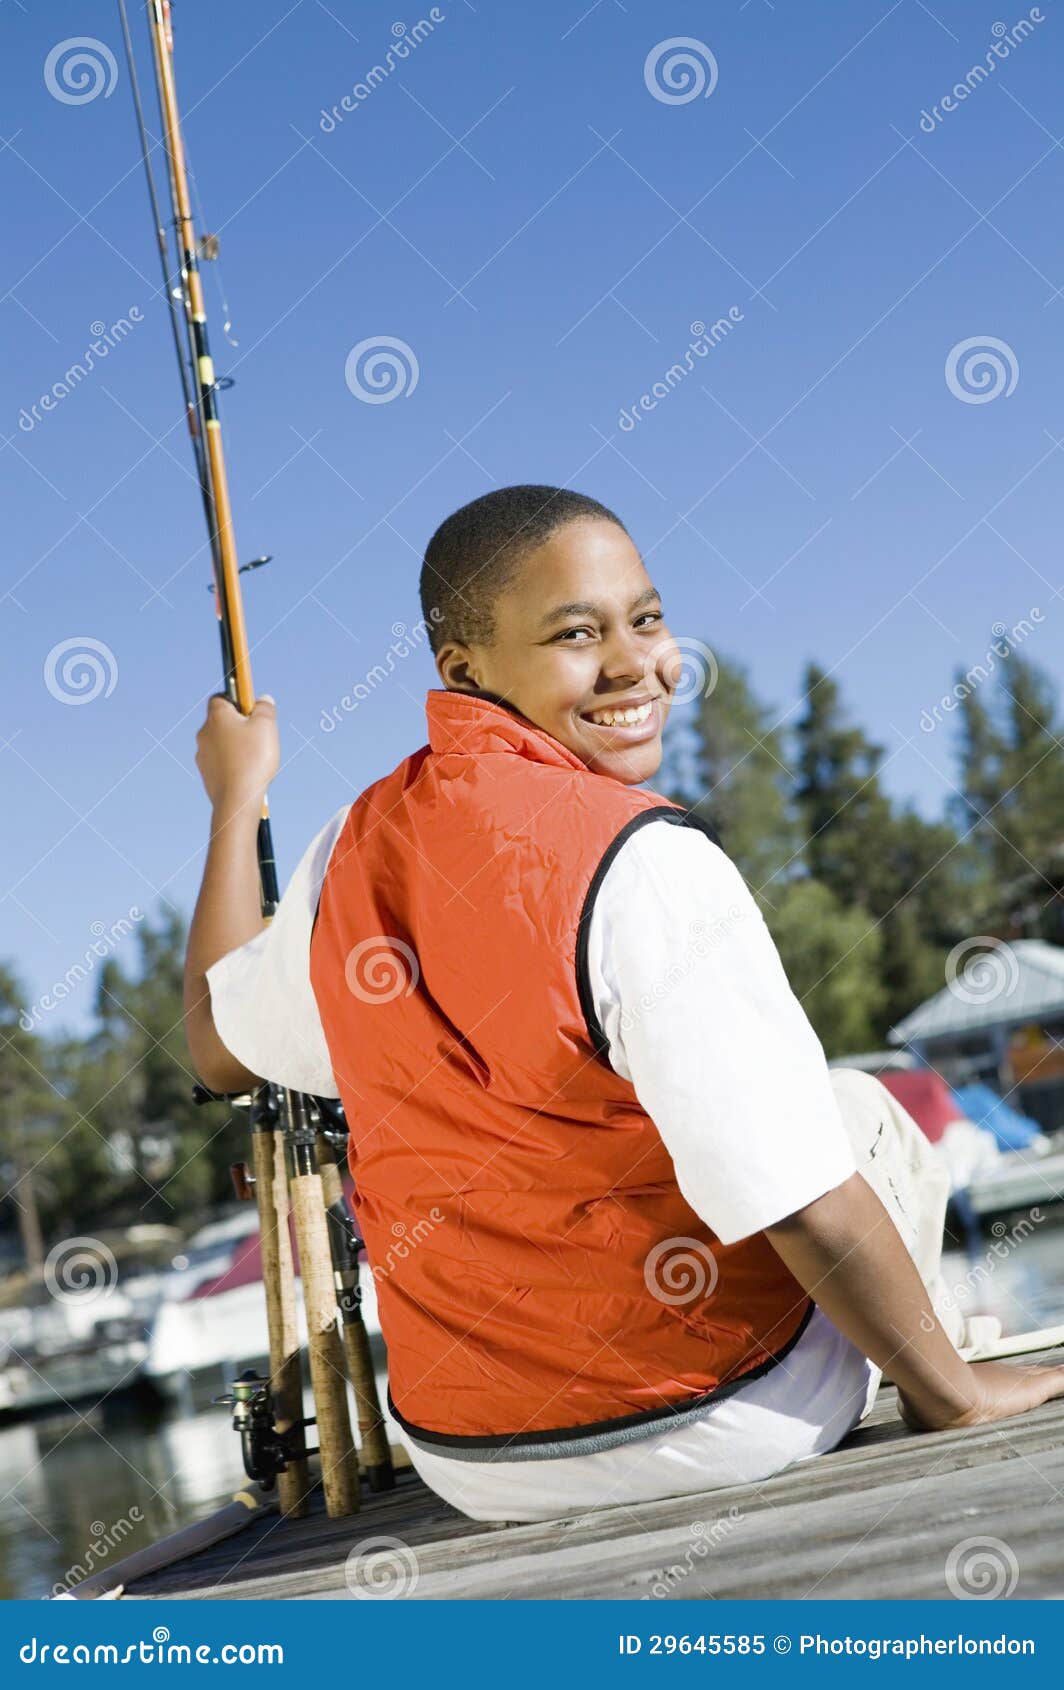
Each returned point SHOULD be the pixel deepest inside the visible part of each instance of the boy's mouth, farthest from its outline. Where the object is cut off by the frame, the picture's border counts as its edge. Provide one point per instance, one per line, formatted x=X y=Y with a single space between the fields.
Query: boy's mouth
x=634 y=720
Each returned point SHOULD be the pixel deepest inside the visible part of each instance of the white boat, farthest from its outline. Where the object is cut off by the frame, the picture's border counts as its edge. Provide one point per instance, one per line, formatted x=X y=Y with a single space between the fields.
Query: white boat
x=1021 y=1179
x=100 y=1370
x=68 y=1346
x=210 y=1324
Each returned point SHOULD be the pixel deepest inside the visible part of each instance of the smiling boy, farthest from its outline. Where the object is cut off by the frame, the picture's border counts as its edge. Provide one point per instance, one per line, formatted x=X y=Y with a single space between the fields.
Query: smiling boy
x=656 y=1247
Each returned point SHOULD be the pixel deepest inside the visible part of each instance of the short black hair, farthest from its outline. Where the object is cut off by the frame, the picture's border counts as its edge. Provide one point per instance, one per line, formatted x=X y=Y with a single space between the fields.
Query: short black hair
x=479 y=548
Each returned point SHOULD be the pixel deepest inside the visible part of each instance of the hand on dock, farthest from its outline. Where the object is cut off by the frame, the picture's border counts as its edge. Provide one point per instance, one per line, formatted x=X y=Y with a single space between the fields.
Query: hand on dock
x=1001 y=1392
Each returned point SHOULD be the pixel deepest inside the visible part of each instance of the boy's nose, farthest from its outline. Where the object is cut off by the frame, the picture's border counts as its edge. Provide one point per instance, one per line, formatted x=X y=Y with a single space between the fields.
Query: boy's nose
x=625 y=660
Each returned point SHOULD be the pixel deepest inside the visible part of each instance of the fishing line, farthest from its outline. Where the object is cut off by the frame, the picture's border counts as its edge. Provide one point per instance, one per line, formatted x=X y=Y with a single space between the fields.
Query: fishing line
x=177 y=319
x=211 y=257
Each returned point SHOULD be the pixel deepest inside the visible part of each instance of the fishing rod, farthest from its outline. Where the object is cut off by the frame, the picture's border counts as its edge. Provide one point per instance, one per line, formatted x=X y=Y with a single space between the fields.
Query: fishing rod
x=285 y=1123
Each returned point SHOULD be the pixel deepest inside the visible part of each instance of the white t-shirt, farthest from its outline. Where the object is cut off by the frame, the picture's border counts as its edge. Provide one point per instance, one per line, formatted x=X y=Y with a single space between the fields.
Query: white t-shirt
x=690 y=993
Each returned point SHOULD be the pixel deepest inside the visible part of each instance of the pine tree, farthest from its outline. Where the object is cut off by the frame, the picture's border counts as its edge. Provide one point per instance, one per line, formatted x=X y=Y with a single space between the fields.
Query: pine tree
x=909 y=875
x=1012 y=800
x=831 y=957
x=737 y=778
x=28 y=1101
x=740 y=778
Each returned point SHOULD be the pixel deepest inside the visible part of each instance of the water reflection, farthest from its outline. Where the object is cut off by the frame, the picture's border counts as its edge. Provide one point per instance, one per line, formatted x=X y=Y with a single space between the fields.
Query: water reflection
x=1013 y=1269
x=80 y=1492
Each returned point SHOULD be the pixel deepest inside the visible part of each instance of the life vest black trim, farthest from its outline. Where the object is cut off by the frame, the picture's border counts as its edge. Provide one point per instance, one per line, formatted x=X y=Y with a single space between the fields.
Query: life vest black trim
x=660 y=812
x=624 y=1428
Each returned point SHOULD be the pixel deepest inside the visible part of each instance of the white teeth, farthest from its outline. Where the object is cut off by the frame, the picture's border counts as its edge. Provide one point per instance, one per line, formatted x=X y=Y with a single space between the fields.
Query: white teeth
x=622 y=718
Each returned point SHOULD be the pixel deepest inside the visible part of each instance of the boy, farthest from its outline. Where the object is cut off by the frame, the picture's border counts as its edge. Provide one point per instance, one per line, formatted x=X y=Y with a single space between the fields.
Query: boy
x=645 y=1253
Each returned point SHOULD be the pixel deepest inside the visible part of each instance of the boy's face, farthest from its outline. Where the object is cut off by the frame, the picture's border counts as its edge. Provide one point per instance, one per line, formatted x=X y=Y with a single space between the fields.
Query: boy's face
x=579 y=632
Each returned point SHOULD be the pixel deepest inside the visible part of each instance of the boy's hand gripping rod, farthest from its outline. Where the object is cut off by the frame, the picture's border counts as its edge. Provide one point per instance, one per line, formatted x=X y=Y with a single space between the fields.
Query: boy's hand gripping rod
x=286 y=1162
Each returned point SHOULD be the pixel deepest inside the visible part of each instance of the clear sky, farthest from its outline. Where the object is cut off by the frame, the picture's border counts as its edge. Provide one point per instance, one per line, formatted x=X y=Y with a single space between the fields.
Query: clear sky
x=526 y=205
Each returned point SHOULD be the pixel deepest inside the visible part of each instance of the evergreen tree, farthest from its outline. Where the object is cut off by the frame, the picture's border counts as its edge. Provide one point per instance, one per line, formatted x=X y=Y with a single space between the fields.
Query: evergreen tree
x=1033 y=768
x=1012 y=799
x=736 y=777
x=27 y=1110
x=831 y=956
x=912 y=877
x=137 y=1081
x=102 y=1131
x=854 y=971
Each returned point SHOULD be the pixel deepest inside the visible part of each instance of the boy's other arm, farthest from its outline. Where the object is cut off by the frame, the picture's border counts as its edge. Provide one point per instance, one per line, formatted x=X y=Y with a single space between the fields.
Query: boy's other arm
x=701 y=1018
x=237 y=757
x=846 y=1252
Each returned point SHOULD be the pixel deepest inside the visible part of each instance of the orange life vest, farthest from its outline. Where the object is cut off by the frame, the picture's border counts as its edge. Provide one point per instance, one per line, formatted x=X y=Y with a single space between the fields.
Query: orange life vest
x=521 y=1214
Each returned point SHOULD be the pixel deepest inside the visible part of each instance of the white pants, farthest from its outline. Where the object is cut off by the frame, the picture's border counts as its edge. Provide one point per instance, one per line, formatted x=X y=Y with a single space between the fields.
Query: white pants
x=801 y=1408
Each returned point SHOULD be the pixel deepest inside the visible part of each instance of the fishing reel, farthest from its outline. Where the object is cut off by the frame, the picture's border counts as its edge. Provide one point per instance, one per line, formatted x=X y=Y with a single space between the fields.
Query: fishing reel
x=331 y=1122
x=266 y=1450
x=323 y=1116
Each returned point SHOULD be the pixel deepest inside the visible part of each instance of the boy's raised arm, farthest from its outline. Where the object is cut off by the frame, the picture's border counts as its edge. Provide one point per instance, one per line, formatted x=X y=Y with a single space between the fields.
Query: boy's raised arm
x=846 y=1252
x=237 y=757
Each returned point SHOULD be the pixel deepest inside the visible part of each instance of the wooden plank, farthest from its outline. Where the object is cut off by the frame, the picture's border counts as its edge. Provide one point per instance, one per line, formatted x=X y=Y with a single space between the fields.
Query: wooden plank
x=877 y=1516
x=888 y=1543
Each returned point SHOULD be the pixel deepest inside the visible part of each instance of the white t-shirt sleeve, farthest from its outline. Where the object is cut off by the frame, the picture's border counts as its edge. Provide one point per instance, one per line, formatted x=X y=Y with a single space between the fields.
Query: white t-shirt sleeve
x=261 y=997
x=692 y=997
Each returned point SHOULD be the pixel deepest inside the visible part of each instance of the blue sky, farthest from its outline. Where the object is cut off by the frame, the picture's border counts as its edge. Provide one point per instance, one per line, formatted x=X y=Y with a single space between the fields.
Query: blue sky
x=518 y=205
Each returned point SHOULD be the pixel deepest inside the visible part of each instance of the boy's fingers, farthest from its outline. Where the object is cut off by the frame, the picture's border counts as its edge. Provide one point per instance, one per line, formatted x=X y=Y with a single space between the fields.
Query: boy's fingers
x=264 y=706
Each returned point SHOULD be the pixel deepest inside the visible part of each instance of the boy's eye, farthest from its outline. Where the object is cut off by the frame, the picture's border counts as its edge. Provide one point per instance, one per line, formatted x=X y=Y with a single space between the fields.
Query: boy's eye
x=571 y=636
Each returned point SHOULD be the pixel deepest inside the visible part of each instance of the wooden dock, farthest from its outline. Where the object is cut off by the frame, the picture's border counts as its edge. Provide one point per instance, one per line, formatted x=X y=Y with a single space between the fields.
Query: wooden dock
x=879 y=1517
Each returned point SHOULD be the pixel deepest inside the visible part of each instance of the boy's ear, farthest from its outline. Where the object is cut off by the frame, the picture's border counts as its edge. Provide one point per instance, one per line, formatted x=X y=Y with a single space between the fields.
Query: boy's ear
x=457 y=669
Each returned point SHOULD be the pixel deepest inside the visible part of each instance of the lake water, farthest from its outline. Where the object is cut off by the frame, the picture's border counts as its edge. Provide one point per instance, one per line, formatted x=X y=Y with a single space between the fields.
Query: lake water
x=83 y=1493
